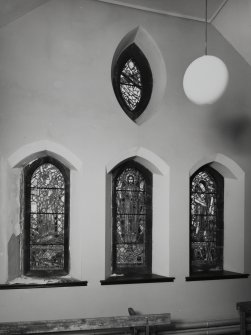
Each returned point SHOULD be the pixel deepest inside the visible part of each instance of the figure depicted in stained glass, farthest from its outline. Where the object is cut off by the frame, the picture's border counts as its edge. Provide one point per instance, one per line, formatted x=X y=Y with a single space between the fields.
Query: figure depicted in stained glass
x=130 y=226
x=204 y=199
x=205 y=222
x=130 y=214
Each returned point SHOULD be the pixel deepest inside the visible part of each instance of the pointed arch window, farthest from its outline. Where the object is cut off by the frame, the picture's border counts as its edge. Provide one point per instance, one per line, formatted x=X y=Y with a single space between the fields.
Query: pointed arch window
x=132 y=219
x=46 y=226
x=132 y=81
x=206 y=221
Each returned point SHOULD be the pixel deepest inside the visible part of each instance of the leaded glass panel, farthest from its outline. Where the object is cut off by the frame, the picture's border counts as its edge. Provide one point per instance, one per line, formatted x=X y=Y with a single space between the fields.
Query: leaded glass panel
x=49 y=257
x=206 y=223
x=47 y=176
x=46 y=214
x=131 y=219
x=47 y=218
x=130 y=84
x=128 y=254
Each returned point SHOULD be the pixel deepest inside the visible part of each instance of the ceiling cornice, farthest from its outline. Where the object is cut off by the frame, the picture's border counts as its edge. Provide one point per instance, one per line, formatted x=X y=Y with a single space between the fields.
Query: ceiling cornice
x=164 y=11
x=217 y=11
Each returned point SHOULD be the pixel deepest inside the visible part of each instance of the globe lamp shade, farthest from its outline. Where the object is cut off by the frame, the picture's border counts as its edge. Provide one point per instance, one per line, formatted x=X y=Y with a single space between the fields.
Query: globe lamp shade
x=205 y=80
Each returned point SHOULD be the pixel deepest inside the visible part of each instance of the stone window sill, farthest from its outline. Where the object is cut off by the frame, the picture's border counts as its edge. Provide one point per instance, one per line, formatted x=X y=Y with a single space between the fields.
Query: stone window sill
x=135 y=279
x=216 y=275
x=25 y=282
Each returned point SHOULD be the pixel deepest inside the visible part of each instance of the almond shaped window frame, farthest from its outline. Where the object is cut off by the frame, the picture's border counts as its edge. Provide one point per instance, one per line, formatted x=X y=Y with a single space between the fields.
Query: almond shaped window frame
x=46 y=215
x=132 y=81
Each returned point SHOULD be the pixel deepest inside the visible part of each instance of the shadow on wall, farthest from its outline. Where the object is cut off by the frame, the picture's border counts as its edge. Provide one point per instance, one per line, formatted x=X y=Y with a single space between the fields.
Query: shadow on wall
x=237 y=131
x=231 y=118
x=13 y=257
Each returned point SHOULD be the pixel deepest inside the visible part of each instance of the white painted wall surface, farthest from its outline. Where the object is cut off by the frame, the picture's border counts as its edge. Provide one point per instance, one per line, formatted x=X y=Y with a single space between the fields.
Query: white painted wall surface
x=234 y=23
x=55 y=86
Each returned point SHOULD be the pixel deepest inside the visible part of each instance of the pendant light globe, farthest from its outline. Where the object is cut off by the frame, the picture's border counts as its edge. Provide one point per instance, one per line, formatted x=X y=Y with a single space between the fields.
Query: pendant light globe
x=205 y=80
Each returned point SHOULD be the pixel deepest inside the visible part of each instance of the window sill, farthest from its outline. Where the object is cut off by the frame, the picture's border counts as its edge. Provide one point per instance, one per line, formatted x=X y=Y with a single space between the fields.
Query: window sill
x=216 y=275
x=35 y=282
x=136 y=279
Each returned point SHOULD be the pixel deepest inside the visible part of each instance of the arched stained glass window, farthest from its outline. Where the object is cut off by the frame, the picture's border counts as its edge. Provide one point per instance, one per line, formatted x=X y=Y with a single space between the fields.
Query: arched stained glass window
x=206 y=227
x=132 y=81
x=46 y=245
x=132 y=219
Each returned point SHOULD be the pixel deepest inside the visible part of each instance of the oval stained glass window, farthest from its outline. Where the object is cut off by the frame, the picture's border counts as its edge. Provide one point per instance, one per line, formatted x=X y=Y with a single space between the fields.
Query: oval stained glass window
x=132 y=81
x=130 y=84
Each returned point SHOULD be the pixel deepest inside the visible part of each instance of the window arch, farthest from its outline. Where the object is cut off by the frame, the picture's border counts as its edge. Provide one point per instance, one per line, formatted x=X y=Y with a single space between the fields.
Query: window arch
x=46 y=218
x=132 y=219
x=132 y=81
x=206 y=220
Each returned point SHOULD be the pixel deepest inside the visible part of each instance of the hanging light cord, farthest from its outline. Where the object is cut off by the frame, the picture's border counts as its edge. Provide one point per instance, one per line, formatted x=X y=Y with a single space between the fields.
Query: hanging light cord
x=206 y=28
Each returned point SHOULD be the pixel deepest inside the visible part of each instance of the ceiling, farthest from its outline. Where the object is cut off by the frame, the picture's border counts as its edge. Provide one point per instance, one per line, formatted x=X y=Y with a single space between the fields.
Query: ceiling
x=232 y=18
x=192 y=9
x=11 y=10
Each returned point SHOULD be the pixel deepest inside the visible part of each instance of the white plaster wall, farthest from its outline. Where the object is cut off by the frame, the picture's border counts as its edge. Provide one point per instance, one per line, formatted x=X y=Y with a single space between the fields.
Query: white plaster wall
x=234 y=24
x=55 y=86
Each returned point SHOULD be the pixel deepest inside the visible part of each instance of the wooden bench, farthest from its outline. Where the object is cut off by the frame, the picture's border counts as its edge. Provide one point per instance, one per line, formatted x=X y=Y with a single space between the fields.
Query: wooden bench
x=244 y=309
x=88 y=325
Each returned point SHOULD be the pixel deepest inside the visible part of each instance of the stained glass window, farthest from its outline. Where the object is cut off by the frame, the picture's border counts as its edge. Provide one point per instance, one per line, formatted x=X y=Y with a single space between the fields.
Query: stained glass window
x=206 y=228
x=46 y=233
x=132 y=187
x=130 y=84
x=132 y=81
